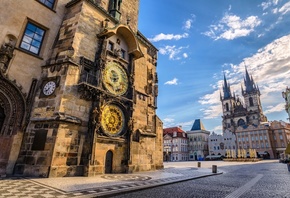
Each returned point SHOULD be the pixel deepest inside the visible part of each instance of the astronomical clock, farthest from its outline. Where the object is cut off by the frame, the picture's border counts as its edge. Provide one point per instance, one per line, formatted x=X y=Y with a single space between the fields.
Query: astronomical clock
x=112 y=120
x=115 y=79
x=113 y=115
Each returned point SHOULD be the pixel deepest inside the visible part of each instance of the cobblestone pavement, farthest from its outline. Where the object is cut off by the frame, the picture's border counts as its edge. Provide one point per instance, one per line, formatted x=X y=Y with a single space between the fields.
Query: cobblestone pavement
x=265 y=179
x=96 y=186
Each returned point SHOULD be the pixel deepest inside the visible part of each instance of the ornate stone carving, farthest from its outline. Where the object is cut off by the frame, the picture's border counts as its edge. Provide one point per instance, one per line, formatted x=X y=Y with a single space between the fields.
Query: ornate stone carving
x=6 y=54
x=13 y=102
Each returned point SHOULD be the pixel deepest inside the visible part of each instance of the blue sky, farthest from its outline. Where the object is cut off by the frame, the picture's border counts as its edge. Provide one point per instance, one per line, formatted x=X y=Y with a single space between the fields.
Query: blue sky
x=200 y=40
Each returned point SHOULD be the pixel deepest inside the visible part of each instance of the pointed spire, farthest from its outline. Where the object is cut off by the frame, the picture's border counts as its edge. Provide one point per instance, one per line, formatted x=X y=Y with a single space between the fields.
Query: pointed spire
x=249 y=82
x=226 y=89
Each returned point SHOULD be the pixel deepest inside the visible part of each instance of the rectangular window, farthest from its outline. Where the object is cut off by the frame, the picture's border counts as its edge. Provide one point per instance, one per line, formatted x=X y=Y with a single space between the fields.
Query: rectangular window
x=281 y=137
x=48 y=3
x=123 y=54
x=39 y=140
x=32 y=38
x=111 y=46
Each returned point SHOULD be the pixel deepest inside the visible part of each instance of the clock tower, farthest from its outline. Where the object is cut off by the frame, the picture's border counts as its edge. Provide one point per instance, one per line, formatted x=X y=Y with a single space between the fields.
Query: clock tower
x=95 y=109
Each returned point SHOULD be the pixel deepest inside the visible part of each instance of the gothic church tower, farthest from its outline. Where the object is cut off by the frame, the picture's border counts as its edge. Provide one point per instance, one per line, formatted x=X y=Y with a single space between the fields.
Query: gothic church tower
x=251 y=95
x=228 y=102
x=235 y=112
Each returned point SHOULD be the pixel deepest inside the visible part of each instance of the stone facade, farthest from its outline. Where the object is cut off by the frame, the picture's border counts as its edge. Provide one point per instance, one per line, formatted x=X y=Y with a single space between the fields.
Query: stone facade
x=270 y=139
x=219 y=143
x=175 y=144
x=84 y=105
x=198 y=141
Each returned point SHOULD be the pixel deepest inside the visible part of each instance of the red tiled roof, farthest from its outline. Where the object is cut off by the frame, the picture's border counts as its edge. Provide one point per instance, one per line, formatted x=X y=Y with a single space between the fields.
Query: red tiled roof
x=171 y=130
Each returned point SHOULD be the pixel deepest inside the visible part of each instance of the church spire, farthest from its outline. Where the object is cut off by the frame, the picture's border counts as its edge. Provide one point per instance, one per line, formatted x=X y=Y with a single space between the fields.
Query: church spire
x=249 y=83
x=226 y=89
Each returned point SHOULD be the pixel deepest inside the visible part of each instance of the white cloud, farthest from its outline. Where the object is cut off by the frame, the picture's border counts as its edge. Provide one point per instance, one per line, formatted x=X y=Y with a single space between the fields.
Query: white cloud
x=278 y=108
x=269 y=4
x=162 y=36
x=185 y=124
x=285 y=8
x=217 y=129
x=265 y=5
x=188 y=24
x=172 y=82
x=184 y=55
x=172 y=51
x=270 y=68
x=231 y=27
x=168 y=122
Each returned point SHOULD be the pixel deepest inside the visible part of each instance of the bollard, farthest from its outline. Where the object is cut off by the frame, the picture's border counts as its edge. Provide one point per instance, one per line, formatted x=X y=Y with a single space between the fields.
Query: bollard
x=214 y=168
x=198 y=164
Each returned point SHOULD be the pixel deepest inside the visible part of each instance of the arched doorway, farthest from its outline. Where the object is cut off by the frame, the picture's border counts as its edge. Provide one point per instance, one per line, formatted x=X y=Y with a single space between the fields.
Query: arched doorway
x=12 y=116
x=2 y=117
x=109 y=162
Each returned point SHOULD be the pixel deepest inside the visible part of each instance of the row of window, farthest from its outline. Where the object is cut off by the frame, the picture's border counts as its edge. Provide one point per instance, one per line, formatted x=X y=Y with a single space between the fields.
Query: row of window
x=175 y=134
x=111 y=47
x=255 y=146
x=253 y=132
x=226 y=147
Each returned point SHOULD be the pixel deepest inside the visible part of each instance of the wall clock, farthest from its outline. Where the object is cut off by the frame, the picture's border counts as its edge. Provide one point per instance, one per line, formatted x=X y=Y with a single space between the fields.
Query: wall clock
x=115 y=79
x=112 y=120
x=49 y=88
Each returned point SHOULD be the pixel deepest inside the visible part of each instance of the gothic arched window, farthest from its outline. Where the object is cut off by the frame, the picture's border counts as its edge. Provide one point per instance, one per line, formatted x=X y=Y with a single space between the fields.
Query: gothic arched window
x=241 y=122
x=251 y=101
x=227 y=107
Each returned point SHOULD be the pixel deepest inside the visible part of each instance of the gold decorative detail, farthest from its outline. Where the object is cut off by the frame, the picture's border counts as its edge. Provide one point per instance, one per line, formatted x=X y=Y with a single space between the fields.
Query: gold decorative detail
x=115 y=79
x=112 y=120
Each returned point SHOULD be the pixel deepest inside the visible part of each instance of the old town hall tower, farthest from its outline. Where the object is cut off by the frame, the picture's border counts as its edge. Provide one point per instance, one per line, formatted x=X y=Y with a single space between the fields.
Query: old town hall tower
x=241 y=113
x=78 y=89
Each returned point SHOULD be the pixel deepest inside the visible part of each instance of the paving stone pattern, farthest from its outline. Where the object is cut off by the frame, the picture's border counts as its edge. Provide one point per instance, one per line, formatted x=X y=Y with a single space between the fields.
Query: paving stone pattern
x=26 y=187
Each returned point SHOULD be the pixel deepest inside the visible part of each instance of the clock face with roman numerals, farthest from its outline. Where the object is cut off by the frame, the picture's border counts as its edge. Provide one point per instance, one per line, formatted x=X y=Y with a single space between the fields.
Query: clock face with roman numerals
x=49 y=88
x=115 y=79
x=112 y=120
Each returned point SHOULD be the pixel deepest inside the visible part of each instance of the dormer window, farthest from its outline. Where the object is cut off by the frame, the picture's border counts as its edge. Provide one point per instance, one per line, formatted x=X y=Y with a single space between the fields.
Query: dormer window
x=174 y=134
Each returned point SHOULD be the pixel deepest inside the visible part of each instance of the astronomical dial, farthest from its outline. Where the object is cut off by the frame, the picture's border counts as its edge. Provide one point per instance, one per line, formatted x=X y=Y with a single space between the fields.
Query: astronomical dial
x=112 y=120
x=115 y=79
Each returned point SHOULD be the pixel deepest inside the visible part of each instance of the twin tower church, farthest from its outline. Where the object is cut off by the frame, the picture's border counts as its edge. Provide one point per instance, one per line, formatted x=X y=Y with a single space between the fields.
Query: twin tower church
x=238 y=113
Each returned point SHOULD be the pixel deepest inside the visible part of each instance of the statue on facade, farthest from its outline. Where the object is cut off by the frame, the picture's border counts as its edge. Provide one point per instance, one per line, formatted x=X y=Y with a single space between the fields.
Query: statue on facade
x=6 y=54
